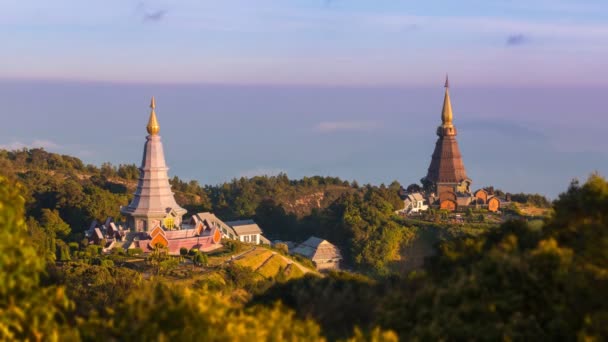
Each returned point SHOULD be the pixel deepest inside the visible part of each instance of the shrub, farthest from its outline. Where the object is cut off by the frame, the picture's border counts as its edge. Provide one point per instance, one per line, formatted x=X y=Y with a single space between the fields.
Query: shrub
x=118 y=251
x=73 y=246
x=183 y=251
x=201 y=259
x=281 y=247
x=134 y=251
x=93 y=250
x=107 y=263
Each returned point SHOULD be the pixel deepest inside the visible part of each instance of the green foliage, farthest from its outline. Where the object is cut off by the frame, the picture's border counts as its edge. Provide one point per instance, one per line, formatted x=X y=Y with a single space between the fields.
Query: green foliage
x=28 y=311
x=134 y=251
x=183 y=251
x=98 y=289
x=518 y=282
x=189 y=315
x=536 y=200
x=338 y=302
x=53 y=224
x=200 y=259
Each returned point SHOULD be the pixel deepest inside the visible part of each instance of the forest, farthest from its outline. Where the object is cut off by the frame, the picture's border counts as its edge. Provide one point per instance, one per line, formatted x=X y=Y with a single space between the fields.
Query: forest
x=519 y=280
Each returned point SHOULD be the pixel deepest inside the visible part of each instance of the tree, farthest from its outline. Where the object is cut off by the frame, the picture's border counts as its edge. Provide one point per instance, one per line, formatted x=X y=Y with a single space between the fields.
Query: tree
x=412 y=188
x=28 y=311
x=200 y=259
x=53 y=224
x=189 y=315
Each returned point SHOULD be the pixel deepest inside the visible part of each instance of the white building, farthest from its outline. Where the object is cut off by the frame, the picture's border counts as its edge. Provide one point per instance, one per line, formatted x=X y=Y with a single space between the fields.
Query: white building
x=243 y=230
x=247 y=231
x=414 y=203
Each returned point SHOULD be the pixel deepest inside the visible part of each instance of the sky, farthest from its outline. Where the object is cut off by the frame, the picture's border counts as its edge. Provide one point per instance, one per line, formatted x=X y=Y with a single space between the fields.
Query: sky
x=347 y=88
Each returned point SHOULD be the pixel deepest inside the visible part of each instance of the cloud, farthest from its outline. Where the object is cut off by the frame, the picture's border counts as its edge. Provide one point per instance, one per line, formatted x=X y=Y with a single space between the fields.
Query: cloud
x=155 y=16
x=503 y=129
x=18 y=145
x=261 y=171
x=516 y=40
x=149 y=15
x=348 y=126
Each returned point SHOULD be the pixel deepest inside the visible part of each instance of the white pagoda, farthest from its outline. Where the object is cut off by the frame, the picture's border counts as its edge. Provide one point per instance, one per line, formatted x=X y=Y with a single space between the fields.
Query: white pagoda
x=153 y=202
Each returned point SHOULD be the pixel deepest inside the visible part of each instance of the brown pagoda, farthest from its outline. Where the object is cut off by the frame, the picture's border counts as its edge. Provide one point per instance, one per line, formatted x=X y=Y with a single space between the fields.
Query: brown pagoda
x=446 y=176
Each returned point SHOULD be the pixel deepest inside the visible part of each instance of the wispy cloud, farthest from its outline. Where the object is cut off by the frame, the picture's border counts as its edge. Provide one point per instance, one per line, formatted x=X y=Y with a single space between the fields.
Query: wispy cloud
x=516 y=40
x=150 y=15
x=341 y=126
x=18 y=145
x=155 y=15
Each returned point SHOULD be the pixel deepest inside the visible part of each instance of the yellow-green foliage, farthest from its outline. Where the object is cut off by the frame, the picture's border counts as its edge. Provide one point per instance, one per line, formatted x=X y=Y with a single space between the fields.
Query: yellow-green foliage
x=254 y=259
x=27 y=310
x=272 y=266
x=174 y=313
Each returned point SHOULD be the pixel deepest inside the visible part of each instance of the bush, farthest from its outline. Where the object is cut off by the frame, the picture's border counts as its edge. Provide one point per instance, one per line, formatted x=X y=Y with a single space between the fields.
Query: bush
x=201 y=259
x=74 y=246
x=118 y=251
x=183 y=251
x=134 y=251
x=281 y=247
x=107 y=263
x=93 y=250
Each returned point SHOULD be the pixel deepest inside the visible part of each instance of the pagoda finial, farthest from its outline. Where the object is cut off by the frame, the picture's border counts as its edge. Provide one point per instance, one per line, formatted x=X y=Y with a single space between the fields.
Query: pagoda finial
x=446 y=114
x=153 y=126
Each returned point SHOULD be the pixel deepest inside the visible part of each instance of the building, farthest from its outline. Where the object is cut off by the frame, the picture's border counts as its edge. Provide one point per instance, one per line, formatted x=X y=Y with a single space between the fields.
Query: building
x=325 y=255
x=153 y=203
x=203 y=238
x=153 y=218
x=446 y=177
x=414 y=203
x=246 y=231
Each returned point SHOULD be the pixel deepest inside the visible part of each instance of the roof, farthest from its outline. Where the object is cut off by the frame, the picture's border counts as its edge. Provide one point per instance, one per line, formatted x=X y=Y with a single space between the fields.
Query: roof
x=464 y=200
x=245 y=227
x=318 y=249
x=98 y=233
x=214 y=220
x=416 y=196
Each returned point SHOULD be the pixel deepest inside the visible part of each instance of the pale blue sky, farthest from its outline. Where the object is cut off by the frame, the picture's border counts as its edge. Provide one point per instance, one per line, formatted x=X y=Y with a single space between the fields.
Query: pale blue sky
x=347 y=88
x=307 y=41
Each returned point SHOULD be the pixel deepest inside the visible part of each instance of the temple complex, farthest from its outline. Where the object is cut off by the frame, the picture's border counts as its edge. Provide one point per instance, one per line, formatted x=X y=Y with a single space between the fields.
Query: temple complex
x=446 y=184
x=153 y=218
x=153 y=202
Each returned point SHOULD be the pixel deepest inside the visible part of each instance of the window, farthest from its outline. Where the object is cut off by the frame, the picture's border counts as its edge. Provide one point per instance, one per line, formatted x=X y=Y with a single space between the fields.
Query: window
x=246 y=238
x=169 y=223
x=254 y=238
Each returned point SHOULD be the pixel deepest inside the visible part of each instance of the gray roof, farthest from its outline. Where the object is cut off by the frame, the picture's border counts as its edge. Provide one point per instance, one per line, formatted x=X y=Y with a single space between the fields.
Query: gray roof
x=318 y=249
x=245 y=227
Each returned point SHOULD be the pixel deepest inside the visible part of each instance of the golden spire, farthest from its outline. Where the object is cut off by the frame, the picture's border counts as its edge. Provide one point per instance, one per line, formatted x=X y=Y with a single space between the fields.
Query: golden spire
x=446 y=114
x=153 y=126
